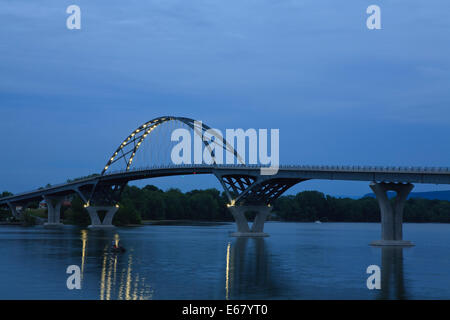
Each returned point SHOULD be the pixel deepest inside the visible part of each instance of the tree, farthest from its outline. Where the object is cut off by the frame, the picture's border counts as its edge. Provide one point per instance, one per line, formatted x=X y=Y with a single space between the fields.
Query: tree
x=203 y=206
x=127 y=214
x=5 y=194
x=77 y=214
x=175 y=204
x=155 y=206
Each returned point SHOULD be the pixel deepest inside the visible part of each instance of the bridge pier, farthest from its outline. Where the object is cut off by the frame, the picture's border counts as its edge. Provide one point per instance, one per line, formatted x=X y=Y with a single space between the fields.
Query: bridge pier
x=53 y=211
x=96 y=223
x=257 y=229
x=16 y=214
x=391 y=215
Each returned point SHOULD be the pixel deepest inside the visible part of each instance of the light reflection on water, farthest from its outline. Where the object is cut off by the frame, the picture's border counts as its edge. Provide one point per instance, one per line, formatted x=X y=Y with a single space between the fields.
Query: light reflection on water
x=298 y=261
x=248 y=263
x=227 y=274
x=123 y=284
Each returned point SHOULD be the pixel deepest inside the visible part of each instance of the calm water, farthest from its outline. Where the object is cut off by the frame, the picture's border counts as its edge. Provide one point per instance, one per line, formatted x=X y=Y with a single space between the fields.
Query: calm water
x=298 y=261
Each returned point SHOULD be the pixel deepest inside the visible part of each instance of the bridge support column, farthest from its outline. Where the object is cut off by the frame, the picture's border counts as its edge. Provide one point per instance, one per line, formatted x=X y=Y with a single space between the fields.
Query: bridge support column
x=391 y=215
x=16 y=214
x=243 y=229
x=53 y=211
x=96 y=223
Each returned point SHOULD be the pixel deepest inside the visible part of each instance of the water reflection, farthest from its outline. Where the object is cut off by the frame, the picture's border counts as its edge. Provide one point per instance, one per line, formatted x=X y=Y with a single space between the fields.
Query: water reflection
x=248 y=269
x=171 y=262
x=251 y=271
x=227 y=272
x=392 y=276
x=84 y=238
x=118 y=279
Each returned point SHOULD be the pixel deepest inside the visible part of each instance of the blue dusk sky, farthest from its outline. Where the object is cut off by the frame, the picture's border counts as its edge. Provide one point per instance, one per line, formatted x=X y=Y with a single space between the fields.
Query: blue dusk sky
x=338 y=92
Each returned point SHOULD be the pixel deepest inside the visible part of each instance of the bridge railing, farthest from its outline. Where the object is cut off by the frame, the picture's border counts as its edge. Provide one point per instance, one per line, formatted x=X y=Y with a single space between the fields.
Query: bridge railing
x=333 y=168
x=342 y=168
x=53 y=186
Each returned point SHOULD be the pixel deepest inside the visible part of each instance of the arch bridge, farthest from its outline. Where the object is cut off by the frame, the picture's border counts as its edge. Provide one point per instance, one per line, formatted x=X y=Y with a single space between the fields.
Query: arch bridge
x=244 y=186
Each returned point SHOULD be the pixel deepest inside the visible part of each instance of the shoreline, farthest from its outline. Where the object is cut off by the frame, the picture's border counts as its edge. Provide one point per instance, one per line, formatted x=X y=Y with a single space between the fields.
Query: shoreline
x=184 y=222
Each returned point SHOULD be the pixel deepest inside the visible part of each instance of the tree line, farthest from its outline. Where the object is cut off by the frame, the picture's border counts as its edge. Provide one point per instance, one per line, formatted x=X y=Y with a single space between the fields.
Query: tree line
x=313 y=205
x=151 y=203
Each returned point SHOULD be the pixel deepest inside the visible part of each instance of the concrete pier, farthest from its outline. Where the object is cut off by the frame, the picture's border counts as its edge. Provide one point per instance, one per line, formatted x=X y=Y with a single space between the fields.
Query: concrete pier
x=96 y=223
x=54 y=211
x=257 y=229
x=391 y=215
x=16 y=214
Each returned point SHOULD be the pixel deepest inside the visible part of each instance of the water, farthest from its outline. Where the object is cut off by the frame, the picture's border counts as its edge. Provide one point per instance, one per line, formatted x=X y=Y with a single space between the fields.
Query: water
x=298 y=261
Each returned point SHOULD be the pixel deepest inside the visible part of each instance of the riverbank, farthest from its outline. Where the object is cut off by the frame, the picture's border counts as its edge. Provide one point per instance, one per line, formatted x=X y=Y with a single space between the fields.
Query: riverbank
x=8 y=223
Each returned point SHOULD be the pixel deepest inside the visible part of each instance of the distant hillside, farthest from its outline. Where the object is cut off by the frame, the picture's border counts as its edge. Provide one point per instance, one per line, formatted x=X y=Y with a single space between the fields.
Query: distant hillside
x=431 y=195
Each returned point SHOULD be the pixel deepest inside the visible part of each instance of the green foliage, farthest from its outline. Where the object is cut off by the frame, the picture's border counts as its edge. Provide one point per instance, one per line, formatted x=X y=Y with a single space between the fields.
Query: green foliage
x=152 y=203
x=204 y=205
x=5 y=194
x=127 y=214
x=33 y=205
x=77 y=214
x=28 y=219
x=4 y=214
x=41 y=213
x=313 y=205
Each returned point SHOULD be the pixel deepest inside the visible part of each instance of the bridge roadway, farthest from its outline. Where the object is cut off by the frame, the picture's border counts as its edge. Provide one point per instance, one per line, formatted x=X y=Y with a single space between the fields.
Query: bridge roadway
x=246 y=189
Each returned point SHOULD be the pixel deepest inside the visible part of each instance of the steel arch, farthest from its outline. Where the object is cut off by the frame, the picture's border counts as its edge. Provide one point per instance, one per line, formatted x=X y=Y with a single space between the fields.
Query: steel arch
x=139 y=135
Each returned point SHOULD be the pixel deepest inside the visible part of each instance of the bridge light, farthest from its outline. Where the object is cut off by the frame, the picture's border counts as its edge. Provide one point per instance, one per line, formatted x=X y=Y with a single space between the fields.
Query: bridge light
x=233 y=202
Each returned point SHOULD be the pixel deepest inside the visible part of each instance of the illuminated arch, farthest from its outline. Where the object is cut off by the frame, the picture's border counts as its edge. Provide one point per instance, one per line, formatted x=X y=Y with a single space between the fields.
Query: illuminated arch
x=136 y=138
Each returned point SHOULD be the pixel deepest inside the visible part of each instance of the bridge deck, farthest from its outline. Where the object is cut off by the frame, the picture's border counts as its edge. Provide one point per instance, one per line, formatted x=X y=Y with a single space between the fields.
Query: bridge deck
x=432 y=175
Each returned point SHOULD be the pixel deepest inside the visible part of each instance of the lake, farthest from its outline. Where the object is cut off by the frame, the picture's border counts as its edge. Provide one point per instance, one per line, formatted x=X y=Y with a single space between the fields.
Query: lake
x=297 y=261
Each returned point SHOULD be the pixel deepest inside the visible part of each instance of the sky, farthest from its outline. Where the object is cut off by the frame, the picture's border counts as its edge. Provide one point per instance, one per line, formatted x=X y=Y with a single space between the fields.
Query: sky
x=339 y=93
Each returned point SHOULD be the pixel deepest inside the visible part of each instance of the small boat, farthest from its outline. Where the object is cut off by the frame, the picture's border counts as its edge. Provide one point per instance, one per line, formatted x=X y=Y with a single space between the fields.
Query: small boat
x=318 y=222
x=118 y=249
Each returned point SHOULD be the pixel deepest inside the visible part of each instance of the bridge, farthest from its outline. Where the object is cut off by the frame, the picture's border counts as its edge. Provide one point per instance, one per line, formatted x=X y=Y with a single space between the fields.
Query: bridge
x=244 y=185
